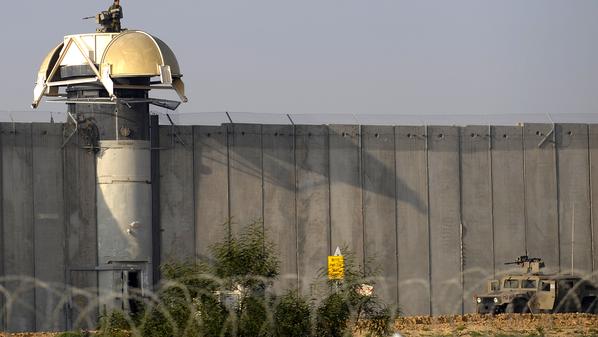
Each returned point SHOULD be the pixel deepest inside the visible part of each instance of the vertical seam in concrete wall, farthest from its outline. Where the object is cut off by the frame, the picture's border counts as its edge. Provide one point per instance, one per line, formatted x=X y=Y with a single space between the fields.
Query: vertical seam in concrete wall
x=33 y=223
x=427 y=135
x=95 y=217
x=194 y=194
x=296 y=215
x=230 y=132
x=461 y=257
x=591 y=196
x=65 y=206
x=155 y=190
x=262 y=177
x=361 y=184
x=558 y=193
x=2 y=236
x=491 y=183
x=394 y=142
x=524 y=190
x=330 y=249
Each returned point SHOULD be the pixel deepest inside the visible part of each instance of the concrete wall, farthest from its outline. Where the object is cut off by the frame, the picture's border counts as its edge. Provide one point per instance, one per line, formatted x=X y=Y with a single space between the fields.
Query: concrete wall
x=436 y=209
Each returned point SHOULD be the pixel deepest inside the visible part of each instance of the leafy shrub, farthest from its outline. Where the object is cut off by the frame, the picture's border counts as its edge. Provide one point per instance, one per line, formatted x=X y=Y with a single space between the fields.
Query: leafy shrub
x=333 y=317
x=192 y=300
x=349 y=304
x=115 y=324
x=292 y=316
x=227 y=296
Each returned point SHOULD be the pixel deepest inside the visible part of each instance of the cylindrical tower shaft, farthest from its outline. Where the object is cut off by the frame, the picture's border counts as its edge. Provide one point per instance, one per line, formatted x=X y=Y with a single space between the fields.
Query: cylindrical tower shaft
x=107 y=77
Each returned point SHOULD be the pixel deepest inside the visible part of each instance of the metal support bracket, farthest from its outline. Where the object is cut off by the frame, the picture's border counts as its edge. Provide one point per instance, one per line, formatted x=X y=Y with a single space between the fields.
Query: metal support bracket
x=546 y=138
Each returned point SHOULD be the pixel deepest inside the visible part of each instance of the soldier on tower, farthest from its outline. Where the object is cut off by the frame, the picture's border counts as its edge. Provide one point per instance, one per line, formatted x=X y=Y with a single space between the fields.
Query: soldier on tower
x=110 y=19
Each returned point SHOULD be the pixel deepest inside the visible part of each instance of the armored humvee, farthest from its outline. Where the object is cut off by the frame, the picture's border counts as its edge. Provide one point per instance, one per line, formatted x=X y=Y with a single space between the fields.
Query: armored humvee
x=529 y=290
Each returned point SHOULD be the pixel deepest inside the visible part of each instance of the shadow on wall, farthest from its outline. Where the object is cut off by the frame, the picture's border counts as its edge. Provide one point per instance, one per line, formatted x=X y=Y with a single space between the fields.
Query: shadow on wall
x=246 y=161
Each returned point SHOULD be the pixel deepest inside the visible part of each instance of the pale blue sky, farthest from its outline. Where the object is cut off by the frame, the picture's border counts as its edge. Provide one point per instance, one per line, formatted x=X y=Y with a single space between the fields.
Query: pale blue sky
x=342 y=56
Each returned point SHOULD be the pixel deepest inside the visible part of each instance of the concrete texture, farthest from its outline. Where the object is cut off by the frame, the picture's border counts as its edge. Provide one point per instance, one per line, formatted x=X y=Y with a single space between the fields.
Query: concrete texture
x=379 y=209
x=412 y=220
x=245 y=175
x=508 y=195
x=593 y=147
x=313 y=199
x=445 y=220
x=574 y=197
x=346 y=220
x=177 y=216
x=541 y=194
x=80 y=218
x=3 y=292
x=476 y=208
x=437 y=209
x=18 y=220
x=211 y=186
x=279 y=199
x=49 y=224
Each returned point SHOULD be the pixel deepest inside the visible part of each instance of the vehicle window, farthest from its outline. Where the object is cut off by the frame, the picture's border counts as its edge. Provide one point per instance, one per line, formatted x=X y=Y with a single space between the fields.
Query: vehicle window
x=565 y=285
x=544 y=286
x=511 y=284
x=494 y=285
x=528 y=284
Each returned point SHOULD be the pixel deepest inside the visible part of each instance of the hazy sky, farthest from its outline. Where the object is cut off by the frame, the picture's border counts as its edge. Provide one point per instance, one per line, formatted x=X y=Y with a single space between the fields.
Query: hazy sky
x=352 y=56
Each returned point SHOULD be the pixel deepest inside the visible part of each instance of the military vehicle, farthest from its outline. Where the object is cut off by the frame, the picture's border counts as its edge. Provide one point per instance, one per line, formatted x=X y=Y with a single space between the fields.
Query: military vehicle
x=530 y=290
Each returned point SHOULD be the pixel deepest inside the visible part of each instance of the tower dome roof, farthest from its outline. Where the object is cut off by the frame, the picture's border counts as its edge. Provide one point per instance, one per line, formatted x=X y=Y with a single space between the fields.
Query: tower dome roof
x=139 y=54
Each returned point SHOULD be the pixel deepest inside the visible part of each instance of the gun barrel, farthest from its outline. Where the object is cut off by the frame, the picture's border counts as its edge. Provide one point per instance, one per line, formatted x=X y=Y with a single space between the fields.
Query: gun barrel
x=89 y=17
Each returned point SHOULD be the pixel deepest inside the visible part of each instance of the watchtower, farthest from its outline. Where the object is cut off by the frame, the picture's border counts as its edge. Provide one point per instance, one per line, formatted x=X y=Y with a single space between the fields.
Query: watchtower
x=106 y=78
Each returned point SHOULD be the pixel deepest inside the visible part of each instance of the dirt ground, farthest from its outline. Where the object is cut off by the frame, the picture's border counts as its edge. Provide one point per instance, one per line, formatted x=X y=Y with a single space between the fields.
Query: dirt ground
x=507 y=325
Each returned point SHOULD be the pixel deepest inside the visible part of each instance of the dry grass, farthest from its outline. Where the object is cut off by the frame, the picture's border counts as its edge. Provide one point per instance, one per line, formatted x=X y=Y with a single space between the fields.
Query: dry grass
x=507 y=325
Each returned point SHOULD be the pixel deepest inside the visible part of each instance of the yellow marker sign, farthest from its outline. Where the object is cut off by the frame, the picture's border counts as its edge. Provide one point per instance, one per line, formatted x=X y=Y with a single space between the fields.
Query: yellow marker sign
x=336 y=268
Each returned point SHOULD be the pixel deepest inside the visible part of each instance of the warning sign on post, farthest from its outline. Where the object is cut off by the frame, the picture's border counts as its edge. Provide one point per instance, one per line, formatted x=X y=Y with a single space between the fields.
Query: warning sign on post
x=336 y=266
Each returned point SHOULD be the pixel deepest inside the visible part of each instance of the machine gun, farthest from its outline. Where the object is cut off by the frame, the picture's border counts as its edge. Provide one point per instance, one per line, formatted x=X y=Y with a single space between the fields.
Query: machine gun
x=109 y=20
x=528 y=264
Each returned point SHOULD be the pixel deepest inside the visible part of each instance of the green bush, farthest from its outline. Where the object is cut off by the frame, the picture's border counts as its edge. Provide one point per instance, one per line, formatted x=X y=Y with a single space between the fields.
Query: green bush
x=346 y=307
x=332 y=317
x=292 y=316
x=227 y=296
x=190 y=302
x=115 y=324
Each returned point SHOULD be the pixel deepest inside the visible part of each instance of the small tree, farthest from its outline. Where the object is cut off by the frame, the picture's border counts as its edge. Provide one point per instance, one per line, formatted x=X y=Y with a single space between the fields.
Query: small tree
x=193 y=298
x=351 y=304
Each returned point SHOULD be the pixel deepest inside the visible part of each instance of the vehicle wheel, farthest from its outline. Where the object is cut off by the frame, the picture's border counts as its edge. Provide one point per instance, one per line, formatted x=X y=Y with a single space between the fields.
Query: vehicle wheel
x=510 y=309
x=516 y=307
x=589 y=305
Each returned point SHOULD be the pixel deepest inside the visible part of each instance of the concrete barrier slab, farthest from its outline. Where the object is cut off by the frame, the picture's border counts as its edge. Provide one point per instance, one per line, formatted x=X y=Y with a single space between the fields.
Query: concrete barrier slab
x=476 y=203
x=593 y=134
x=245 y=149
x=279 y=199
x=574 y=198
x=313 y=211
x=541 y=204
x=177 y=215
x=445 y=222
x=49 y=234
x=346 y=214
x=211 y=188
x=18 y=223
x=379 y=189
x=508 y=195
x=412 y=220
x=81 y=219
